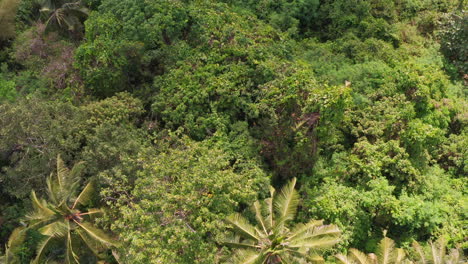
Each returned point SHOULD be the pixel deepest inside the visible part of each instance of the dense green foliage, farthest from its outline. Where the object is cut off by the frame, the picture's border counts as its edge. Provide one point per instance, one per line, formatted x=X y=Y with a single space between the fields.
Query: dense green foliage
x=185 y=112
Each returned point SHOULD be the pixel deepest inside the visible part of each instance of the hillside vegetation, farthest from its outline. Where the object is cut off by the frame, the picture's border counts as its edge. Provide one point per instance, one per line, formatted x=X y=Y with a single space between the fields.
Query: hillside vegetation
x=233 y=131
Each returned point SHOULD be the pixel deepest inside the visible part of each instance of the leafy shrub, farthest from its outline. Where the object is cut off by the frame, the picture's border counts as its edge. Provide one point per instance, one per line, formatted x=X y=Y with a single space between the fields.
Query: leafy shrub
x=181 y=196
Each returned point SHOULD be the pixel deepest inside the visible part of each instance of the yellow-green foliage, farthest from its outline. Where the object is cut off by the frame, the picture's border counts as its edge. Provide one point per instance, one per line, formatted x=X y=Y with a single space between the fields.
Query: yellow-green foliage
x=7 y=18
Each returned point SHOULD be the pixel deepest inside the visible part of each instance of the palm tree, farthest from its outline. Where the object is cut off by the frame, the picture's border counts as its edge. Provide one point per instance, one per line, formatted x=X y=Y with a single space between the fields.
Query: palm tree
x=272 y=241
x=59 y=218
x=437 y=253
x=63 y=13
x=386 y=254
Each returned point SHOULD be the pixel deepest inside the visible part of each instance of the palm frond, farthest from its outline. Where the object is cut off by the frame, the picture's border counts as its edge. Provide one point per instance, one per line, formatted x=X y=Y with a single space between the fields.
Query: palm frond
x=454 y=256
x=14 y=242
x=316 y=259
x=259 y=217
x=95 y=246
x=286 y=201
x=243 y=226
x=344 y=259
x=71 y=257
x=67 y=179
x=62 y=173
x=442 y=246
x=239 y=244
x=315 y=243
x=270 y=213
x=41 y=209
x=359 y=257
x=52 y=189
x=385 y=250
x=419 y=250
x=301 y=229
x=55 y=229
x=399 y=256
x=373 y=258
x=96 y=234
x=16 y=237
x=92 y=211
x=86 y=195
x=247 y=257
x=41 y=247
x=320 y=236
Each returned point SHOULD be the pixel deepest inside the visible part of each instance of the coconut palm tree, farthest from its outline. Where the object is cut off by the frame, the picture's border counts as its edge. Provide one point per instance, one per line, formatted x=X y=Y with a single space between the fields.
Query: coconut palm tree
x=63 y=13
x=63 y=218
x=386 y=254
x=271 y=241
x=437 y=254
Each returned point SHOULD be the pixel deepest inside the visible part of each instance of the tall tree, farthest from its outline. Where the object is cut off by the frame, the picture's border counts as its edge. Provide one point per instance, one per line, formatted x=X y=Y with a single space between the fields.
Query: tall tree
x=272 y=241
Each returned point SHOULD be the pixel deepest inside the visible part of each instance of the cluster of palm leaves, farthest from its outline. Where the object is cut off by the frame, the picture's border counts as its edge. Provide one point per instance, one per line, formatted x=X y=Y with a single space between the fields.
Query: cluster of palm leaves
x=63 y=13
x=387 y=253
x=61 y=218
x=271 y=240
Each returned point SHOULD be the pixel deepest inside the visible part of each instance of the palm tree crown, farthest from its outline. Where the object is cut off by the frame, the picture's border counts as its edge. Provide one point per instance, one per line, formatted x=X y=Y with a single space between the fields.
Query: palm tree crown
x=386 y=254
x=64 y=13
x=437 y=254
x=272 y=241
x=59 y=218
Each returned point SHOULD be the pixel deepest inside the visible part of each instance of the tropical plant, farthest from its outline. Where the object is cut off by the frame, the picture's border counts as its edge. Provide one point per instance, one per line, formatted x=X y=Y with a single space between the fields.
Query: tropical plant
x=64 y=13
x=60 y=219
x=386 y=254
x=15 y=240
x=437 y=253
x=272 y=241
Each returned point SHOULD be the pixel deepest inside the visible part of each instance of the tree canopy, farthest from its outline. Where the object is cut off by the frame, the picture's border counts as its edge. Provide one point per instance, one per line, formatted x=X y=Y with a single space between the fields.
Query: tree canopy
x=186 y=114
